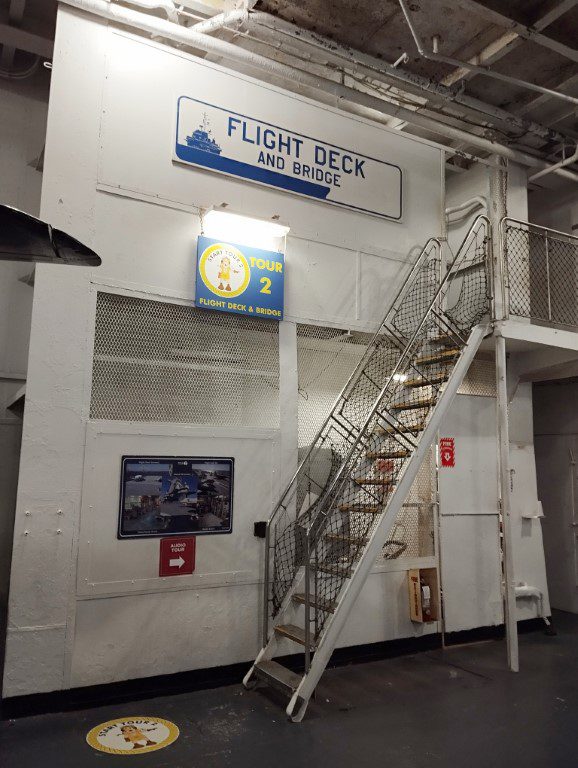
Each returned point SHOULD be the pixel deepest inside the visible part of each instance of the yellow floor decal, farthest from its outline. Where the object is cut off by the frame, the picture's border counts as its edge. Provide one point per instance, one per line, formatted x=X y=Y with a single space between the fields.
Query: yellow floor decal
x=133 y=735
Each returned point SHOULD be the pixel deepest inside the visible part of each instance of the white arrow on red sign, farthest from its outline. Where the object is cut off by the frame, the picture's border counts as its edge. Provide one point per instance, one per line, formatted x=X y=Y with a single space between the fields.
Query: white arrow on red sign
x=177 y=563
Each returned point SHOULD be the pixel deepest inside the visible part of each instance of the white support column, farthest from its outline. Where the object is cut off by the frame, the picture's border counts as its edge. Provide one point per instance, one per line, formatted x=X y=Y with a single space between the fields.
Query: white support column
x=504 y=475
x=496 y=212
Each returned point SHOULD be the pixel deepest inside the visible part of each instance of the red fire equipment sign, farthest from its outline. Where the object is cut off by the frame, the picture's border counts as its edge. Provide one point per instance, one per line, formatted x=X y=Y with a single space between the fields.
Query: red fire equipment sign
x=448 y=452
x=177 y=556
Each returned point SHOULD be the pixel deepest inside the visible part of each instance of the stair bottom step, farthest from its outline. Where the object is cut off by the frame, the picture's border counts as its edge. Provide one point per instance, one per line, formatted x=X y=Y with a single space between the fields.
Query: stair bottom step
x=278 y=676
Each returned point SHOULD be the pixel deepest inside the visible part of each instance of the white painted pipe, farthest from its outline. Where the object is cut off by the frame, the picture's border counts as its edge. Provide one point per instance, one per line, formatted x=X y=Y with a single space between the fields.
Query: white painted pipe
x=469 y=206
x=379 y=69
x=482 y=70
x=567 y=161
x=221 y=20
x=187 y=36
x=166 y=5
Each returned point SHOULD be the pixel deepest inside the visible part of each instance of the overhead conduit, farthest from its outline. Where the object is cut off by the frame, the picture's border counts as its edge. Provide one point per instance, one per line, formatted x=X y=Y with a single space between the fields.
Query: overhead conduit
x=188 y=36
x=378 y=69
x=479 y=69
x=465 y=209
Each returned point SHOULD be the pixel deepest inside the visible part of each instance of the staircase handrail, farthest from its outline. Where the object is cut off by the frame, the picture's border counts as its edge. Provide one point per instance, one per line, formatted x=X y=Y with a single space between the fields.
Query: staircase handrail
x=423 y=255
x=313 y=526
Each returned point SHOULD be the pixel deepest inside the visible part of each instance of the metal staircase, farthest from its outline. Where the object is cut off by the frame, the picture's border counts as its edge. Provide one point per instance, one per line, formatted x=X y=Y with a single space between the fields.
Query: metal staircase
x=335 y=516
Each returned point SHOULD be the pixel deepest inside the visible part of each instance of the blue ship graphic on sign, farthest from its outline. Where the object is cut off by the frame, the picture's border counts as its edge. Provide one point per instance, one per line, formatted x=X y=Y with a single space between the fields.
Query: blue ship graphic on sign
x=201 y=149
x=202 y=140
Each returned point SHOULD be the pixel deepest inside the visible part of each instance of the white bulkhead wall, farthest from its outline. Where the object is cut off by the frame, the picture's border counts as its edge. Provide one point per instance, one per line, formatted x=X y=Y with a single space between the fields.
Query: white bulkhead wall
x=88 y=609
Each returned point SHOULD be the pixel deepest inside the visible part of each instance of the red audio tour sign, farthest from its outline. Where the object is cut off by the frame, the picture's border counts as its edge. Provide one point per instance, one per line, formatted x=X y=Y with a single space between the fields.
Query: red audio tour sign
x=177 y=556
x=448 y=452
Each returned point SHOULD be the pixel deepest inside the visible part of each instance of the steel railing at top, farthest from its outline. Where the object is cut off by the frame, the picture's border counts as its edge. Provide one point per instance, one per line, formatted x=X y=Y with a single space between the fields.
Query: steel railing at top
x=540 y=273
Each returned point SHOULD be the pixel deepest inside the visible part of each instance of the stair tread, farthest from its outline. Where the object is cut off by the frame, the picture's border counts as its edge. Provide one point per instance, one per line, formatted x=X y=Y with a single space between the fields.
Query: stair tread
x=325 y=605
x=442 y=356
x=387 y=454
x=347 y=539
x=409 y=405
x=293 y=632
x=278 y=675
x=369 y=508
x=379 y=430
x=421 y=382
x=372 y=481
x=333 y=569
x=443 y=338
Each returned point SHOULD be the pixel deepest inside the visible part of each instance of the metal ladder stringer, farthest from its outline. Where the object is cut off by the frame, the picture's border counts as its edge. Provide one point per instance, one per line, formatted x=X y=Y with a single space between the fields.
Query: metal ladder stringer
x=300 y=687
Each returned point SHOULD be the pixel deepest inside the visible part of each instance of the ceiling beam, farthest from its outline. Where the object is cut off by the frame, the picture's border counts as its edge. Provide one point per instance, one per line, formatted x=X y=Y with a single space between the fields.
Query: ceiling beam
x=507 y=42
x=532 y=32
x=13 y=37
x=495 y=51
x=569 y=86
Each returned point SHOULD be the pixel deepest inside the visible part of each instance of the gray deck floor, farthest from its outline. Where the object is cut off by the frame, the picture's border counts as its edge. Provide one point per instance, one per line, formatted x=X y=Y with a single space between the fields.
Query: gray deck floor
x=456 y=708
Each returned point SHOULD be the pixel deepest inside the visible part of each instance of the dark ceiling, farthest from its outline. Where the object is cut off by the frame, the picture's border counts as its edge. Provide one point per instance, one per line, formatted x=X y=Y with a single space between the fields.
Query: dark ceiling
x=464 y=28
x=531 y=40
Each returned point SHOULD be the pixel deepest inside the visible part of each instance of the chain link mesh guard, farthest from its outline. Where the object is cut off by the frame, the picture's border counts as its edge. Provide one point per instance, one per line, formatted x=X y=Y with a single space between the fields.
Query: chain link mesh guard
x=348 y=475
x=541 y=273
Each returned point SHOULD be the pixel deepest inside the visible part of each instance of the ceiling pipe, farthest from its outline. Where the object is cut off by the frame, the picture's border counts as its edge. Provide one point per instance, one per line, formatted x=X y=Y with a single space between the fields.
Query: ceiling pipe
x=467 y=207
x=562 y=164
x=381 y=70
x=480 y=69
x=531 y=32
x=167 y=6
x=221 y=20
x=187 y=36
x=512 y=38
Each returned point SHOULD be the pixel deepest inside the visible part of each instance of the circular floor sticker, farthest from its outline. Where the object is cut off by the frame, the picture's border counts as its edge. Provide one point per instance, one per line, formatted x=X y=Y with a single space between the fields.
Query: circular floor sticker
x=133 y=735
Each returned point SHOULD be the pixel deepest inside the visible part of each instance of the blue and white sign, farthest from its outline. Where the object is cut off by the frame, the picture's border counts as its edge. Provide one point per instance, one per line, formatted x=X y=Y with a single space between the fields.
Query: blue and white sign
x=236 y=278
x=216 y=138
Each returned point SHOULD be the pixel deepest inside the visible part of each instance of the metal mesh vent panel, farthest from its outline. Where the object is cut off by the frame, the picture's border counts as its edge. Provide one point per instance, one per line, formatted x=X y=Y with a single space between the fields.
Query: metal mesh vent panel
x=326 y=358
x=163 y=362
x=480 y=379
x=542 y=270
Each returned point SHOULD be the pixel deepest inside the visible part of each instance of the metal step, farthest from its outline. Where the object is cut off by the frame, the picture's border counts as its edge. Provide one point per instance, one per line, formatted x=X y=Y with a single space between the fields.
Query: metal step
x=341 y=537
x=445 y=356
x=379 y=430
x=371 y=481
x=425 y=402
x=403 y=454
x=324 y=605
x=444 y=339
x=277 y=676
x=415 y=383
x=370 y=509
x=291 y=631
x=333 y=570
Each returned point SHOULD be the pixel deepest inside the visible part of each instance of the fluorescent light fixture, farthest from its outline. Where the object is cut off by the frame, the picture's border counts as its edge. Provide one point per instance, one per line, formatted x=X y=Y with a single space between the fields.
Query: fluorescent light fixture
x=260 y=233
x=400 y=376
